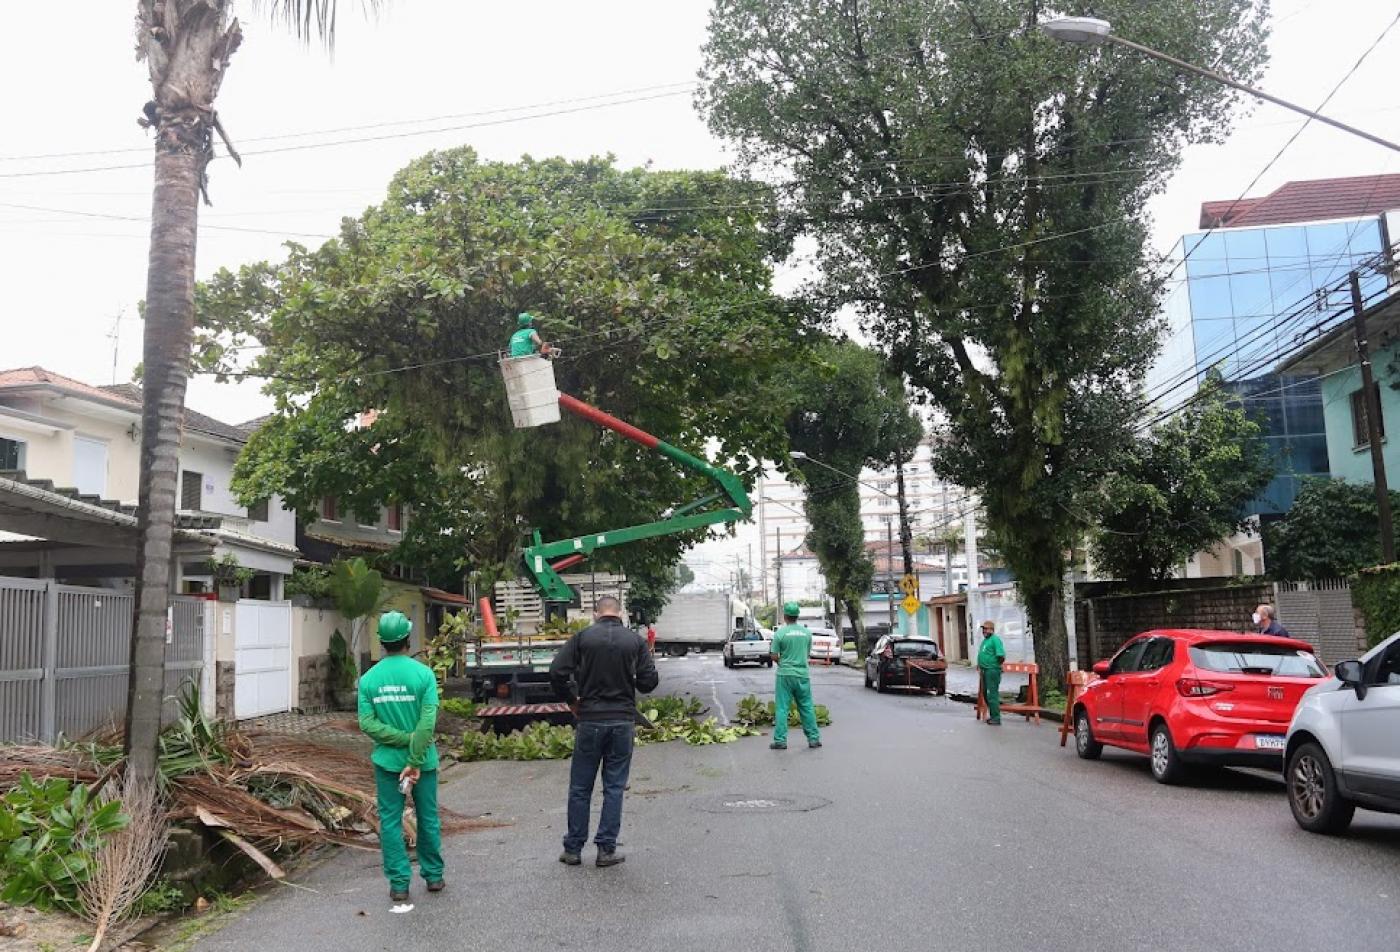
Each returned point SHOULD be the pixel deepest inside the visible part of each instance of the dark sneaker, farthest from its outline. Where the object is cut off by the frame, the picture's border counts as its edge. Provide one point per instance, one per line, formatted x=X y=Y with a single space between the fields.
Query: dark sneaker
x=398 y=895
x=436 y=885
x=777 y=746
x=608 y=858
x=570 y=859
x=993 y=723
x=814 y=744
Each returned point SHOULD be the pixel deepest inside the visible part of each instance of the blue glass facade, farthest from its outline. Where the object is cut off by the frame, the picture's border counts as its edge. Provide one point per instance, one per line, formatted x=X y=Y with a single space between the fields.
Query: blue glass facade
x=1229 y=309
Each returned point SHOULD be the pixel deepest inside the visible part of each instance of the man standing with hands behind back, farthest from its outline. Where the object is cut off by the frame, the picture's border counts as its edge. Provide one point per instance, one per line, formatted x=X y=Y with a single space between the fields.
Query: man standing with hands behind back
x=398 y=710
x=599 y=672
x=990 y=657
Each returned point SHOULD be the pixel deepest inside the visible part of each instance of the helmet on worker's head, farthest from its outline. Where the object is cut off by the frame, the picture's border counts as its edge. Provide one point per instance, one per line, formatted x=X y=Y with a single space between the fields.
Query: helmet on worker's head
x=526 y=319
x=394 y=627
x=791 y=609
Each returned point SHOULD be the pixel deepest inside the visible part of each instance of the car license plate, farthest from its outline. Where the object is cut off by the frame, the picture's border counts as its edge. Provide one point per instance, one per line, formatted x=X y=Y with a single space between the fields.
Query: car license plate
x=1268 y=742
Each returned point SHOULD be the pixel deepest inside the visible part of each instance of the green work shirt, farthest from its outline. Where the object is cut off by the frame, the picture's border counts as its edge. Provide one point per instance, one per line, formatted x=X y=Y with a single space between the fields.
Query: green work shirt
x=398 y=710
x=991 y=654
x=793 y=646
x=522 y=342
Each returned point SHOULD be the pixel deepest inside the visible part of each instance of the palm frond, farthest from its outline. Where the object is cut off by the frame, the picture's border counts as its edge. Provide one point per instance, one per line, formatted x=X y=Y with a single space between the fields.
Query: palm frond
x=308 y=18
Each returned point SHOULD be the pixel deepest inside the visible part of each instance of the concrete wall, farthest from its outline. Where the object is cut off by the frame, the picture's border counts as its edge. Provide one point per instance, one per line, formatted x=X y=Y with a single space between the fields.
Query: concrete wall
x=1345 y=459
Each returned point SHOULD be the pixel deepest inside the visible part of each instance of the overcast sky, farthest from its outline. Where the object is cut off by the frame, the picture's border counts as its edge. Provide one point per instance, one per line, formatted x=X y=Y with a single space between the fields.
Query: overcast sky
x=68 y=277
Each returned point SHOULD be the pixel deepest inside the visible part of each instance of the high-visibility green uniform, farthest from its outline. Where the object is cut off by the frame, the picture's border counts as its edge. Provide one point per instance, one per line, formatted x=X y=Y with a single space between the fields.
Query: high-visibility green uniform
x=792 y=643
x=989 y=659
x=522 y=342
x=398 y=710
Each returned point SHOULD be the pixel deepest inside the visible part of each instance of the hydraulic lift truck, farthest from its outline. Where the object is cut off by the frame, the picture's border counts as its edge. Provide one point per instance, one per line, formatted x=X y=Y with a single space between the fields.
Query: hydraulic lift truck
x=519 y=663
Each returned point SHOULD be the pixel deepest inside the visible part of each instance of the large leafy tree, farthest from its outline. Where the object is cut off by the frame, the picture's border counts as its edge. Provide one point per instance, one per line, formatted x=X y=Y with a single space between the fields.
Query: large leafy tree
x=1330 y=532
x=849 y=411
x=1180 y=488
x=187 y=46
x=656 y=284
x=977 y=191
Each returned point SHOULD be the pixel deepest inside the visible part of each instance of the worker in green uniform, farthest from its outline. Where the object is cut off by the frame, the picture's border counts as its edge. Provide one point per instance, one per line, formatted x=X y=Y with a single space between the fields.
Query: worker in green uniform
x=990 y=657
x=526 y=342
x=398 y=710
x=791 y=647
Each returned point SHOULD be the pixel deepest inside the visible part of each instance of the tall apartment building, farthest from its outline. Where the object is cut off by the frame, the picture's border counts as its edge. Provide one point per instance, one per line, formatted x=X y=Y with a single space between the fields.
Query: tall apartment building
x=934 y=506
x=1247 y=289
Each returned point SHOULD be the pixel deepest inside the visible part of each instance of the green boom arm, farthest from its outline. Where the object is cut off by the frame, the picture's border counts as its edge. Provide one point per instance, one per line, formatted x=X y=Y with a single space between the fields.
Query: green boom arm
x=733 y=502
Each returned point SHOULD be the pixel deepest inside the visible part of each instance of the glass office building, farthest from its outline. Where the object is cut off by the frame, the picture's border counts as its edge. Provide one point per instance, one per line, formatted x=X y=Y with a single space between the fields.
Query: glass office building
x=1244 y=297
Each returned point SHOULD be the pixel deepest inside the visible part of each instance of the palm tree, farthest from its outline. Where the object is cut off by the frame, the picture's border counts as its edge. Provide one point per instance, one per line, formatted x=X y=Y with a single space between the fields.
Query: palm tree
x=187 y=45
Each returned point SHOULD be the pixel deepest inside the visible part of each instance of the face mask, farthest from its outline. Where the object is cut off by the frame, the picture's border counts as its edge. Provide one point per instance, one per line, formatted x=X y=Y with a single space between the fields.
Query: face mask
x=1256 y=618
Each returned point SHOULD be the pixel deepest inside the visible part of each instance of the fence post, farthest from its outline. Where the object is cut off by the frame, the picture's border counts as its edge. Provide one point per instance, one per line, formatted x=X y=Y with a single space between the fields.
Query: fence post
x=48 y=683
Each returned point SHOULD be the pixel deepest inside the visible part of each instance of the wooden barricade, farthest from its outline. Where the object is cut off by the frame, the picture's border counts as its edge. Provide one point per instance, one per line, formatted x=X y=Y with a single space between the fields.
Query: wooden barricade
x=1075 y=682
x=1030 y=710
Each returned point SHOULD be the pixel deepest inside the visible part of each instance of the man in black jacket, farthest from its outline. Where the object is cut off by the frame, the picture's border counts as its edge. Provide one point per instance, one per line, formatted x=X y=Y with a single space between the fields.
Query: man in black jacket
x=599 y=672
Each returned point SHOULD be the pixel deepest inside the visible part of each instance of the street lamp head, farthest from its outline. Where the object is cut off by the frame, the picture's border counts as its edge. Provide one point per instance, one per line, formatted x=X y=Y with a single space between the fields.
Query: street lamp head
x=1083 y=30
x=797 y=455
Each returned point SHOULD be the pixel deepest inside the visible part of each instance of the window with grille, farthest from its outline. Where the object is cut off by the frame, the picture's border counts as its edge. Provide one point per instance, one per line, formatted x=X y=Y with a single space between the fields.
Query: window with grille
x=258 y=511
x=329 y=509
x=395 y=518
x=1359 y=436
x=191 y=491
x=11 y=454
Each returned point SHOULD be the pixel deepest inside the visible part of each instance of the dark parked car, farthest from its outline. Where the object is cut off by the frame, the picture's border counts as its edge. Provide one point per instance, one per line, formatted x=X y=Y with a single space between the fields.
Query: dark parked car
x=900 y=662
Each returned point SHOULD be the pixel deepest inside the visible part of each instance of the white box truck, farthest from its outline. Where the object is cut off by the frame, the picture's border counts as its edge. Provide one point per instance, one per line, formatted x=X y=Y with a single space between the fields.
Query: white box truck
x=699 y=621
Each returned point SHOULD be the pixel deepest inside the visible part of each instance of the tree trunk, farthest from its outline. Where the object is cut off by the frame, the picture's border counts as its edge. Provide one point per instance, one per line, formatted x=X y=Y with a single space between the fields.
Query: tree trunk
x=1051 y=640
x=187 y=45
x=854 y=613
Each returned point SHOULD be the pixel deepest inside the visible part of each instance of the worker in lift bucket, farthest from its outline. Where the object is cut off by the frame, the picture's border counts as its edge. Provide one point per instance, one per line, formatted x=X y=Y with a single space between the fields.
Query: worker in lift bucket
x=526 y=341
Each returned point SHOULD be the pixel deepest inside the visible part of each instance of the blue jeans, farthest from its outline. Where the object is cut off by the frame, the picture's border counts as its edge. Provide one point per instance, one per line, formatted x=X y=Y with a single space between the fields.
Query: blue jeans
x=598 y=743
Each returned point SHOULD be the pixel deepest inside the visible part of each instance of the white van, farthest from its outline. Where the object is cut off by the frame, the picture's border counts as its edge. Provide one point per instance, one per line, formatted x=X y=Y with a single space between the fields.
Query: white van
x=1343 y=747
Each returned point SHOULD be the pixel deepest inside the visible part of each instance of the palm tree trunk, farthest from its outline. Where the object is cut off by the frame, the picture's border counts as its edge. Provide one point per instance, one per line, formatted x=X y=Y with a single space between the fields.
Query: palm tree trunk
x=186 y=45
x=166 y=357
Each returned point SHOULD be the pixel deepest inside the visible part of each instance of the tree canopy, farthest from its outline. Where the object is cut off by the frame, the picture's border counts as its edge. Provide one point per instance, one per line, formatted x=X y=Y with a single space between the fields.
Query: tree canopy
x=1330 y=532
x=1180 y=488
x=849 y=411
x=977 y=192
x=381 y=350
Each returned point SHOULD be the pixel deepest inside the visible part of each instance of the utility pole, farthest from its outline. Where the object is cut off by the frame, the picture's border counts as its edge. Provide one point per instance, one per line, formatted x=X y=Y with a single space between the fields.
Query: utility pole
x=889 y=569
x=947 y=522
x=1370 y=397
x=778 y=564
x=906 y=535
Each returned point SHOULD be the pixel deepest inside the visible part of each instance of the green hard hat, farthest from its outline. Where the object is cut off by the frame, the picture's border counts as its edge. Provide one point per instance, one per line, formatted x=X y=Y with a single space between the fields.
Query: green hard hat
x=394 y=626
x=525 y=319
x=791 y=609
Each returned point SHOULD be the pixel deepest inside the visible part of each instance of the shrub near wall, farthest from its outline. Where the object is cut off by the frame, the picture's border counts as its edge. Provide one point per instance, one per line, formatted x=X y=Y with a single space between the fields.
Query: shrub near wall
x=1376 y=594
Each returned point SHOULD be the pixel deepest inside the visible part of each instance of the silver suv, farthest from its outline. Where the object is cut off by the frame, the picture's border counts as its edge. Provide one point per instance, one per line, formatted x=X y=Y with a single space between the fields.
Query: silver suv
x=1343 y=748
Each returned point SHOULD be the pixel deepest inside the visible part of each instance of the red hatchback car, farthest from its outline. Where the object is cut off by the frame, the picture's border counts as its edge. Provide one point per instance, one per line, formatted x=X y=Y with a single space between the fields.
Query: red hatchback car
x=1196 y=697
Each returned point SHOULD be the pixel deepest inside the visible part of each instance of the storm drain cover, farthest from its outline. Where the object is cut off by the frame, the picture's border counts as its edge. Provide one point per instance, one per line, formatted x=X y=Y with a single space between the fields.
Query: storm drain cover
x=748 y=803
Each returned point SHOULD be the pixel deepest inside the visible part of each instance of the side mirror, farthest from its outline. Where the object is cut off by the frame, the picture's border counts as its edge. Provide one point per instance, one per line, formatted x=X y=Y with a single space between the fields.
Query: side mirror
x=1101 y=668
x=1353 y=675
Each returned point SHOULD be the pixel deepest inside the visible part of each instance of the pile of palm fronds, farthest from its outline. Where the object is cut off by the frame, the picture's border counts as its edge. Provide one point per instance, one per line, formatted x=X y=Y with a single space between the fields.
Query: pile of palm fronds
x=258 y=790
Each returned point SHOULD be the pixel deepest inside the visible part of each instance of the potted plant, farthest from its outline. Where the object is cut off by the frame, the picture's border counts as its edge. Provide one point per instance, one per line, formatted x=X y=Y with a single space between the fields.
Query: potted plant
x=229 y=576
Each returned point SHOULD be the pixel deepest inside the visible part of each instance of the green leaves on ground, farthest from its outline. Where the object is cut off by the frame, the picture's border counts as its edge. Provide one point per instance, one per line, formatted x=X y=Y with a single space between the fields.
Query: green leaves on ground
x=459 y=707
x=538 y=741
x=1180 y=488
x=755 y=713
x=49 y=832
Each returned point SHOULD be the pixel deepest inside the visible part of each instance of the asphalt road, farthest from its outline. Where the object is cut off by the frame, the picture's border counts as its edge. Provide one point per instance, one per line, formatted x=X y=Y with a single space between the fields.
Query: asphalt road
x=914 y=827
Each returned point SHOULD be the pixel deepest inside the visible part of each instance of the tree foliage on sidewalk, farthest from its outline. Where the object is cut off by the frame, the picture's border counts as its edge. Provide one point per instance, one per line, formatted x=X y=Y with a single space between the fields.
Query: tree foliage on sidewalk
x=656 y=284
x=978 y=192
x=1330 y=532
x=849 y=411
x=1180 y=488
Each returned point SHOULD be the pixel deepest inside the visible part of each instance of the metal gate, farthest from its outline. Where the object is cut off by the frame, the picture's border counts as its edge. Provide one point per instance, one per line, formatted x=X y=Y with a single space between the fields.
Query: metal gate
x=1321 y=612
x=64 y=652
x=262 y=658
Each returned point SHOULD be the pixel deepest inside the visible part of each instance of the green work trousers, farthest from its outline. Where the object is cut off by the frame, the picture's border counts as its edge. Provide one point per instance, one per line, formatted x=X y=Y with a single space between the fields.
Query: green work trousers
x=391 y=844
x=991 y=690
x=791 y=689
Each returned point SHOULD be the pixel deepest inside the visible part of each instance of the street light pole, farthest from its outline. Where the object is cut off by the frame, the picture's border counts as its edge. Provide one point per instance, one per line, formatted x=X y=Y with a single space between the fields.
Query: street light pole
x=1370 y=398
x=889 y=569
x=1092 y=31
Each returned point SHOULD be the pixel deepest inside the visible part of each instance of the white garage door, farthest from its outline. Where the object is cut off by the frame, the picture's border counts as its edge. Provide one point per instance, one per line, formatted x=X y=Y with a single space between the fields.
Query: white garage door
x=262 y=659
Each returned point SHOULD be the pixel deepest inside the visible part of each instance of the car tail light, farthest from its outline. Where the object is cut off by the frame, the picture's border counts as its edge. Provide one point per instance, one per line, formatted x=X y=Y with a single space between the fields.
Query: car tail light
x=1196 y=687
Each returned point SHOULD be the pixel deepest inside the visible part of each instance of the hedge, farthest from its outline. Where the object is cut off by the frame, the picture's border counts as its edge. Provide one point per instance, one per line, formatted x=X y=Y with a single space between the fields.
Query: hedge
x=1376 y=594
